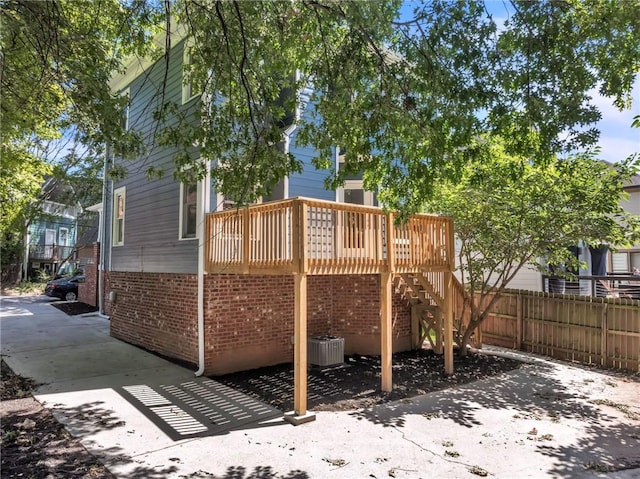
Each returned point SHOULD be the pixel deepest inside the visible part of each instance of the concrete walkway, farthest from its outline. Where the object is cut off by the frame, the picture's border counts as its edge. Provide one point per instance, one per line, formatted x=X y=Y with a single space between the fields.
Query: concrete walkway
x=547 y=419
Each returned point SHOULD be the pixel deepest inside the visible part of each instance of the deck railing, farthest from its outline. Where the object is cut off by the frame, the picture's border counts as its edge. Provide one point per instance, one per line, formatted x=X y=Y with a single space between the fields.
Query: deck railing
x=50 y=252
x=322 y=237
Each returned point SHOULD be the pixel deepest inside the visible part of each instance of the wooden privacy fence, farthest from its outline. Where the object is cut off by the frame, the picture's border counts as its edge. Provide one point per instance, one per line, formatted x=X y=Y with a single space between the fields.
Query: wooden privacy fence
x=600 y=331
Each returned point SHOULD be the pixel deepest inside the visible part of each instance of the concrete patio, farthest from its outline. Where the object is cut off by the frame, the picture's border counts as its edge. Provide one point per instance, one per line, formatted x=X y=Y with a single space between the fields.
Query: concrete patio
x=546 y=419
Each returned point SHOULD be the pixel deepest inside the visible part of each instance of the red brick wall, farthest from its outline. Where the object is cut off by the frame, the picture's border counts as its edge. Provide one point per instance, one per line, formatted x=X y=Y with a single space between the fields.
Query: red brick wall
x=356 y=315
x=249 y=319
x=88 y=291
x=156 y=311
x=106 y=288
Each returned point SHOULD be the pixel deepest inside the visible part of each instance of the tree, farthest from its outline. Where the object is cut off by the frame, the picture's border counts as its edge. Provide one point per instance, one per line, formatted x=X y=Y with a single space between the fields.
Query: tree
x=405 y=94
x=399 y=91
x=56 y=60
x=402 y=94
x=509 y=212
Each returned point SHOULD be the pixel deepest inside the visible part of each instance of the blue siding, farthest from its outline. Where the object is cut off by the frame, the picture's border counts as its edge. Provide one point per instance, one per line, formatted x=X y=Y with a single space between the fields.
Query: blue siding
x=310 y=182
x=37 y=230
x=152 y=213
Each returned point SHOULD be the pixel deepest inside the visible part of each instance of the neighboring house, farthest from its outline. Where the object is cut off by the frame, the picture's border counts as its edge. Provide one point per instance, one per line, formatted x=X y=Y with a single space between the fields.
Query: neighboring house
x=51 y=237
x=163 y=292
x=627 y=259
x=598 y=261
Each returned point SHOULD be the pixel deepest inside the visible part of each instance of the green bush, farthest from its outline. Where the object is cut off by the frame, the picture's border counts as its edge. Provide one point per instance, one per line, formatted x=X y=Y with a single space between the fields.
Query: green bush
x=40 y=276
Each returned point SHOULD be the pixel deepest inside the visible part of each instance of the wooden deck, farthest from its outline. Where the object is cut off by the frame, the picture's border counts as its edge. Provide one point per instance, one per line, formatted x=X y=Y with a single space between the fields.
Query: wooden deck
x=303 y=236
x=319 y=237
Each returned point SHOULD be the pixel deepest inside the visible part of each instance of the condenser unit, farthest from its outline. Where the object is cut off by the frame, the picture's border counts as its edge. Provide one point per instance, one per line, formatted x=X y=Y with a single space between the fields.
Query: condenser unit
x=325 y=350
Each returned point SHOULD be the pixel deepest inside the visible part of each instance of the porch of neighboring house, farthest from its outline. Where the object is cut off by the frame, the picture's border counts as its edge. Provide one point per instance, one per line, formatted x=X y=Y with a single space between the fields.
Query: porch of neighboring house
x=303 y=237
x=49 y=257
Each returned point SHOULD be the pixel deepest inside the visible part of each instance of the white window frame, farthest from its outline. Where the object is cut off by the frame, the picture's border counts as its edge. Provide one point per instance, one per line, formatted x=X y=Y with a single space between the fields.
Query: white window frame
x=49 y=247
x=60 y=242
x=122 y=191
x=187 y=83
x=181 y=205
x=369 y=197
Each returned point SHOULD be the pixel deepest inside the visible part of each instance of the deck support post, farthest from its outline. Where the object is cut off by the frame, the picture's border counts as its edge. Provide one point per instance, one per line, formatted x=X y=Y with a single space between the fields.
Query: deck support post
x=448 y=322
x=300 y=415
x=386 y=330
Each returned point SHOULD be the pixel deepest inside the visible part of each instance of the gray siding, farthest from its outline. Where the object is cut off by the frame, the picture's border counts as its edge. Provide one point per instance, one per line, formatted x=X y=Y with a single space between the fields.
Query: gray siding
x=152 y=213
x=310 y=182
x=151 y=228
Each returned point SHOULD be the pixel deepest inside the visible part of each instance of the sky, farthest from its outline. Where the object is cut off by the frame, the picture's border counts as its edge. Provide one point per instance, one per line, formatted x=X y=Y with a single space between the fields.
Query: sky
x=617 y=138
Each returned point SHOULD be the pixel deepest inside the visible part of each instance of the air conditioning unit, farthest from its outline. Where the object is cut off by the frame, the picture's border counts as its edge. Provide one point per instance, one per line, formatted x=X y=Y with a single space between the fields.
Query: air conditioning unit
x=325 y=350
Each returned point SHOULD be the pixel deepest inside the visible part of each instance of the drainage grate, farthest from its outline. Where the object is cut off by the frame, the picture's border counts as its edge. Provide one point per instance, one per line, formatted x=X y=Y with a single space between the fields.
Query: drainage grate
x=197 y=408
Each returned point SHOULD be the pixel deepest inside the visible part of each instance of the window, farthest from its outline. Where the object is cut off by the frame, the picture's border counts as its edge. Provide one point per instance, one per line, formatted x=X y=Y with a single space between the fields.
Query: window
x=49 y=242
x=63 y=237
x=355 y=196
x=118 y=216
x=352 y=192
x=188 y=210
x=189 y=89
x=625 y=261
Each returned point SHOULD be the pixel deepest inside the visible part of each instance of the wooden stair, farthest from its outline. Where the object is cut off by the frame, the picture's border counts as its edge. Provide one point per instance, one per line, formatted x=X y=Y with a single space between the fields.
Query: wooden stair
x=427 y=305
x=426 y=312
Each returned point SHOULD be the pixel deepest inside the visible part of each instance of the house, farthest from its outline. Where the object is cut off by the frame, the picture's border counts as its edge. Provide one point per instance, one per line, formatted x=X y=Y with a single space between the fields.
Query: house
x=226 y=289
x=598 y=260
x=625 y=260
x=52 y=235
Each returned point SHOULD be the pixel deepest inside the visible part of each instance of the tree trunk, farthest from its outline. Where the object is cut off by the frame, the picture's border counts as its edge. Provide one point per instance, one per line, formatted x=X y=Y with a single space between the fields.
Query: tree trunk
x=466 y=337
x=474 y=323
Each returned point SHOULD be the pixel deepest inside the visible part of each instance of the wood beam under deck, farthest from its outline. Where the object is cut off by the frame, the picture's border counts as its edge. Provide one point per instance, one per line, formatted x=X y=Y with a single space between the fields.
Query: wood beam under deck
x=448 y=323
x=303 y=236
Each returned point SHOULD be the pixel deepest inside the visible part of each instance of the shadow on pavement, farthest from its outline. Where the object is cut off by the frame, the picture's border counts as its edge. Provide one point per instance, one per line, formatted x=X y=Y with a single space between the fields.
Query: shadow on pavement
x=533 y=392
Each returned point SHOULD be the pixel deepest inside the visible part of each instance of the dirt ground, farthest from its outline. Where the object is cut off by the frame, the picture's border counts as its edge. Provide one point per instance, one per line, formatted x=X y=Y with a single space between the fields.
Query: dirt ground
x=73 y=308
x=355 y=383
x=33 y=444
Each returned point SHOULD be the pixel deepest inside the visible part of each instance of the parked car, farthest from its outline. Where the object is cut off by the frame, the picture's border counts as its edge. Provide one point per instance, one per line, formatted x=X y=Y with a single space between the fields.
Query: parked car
x=64 y=288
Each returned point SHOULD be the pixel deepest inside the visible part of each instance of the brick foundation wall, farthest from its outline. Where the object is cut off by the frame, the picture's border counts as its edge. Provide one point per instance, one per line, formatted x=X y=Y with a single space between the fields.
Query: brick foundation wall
x=356 y=315
x=249 y=319
x=156 y=311
x=88 y=291
x=106 y=288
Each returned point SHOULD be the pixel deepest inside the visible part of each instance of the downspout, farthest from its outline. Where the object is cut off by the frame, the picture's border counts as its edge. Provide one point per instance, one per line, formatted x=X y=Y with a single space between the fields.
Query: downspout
x=336 y=164
x=103 y=235
x=202 y=243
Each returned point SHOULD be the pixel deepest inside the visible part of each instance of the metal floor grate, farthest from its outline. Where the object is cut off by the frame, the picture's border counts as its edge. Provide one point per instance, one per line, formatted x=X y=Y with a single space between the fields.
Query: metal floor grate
x=196 y=408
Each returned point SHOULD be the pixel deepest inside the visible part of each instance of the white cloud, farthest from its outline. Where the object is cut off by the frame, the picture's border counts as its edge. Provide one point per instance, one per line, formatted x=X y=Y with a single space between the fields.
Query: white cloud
x=617 y=138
